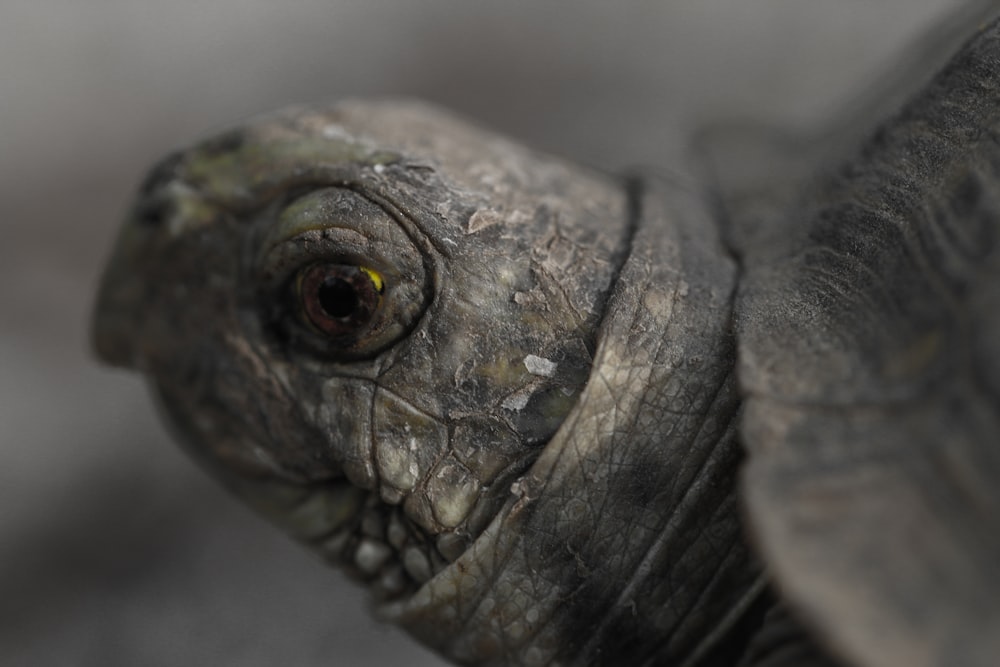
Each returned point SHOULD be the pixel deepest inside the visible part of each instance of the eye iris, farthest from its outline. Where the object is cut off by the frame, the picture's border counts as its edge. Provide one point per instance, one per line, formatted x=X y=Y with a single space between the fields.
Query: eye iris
x=338 y=299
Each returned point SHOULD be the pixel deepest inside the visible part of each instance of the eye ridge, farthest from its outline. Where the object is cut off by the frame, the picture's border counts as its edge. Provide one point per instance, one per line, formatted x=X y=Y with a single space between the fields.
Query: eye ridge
x=339 y=300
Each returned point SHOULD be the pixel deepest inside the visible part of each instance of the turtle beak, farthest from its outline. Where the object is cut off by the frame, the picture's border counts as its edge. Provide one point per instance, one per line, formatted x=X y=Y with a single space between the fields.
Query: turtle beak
x=118 y=314
x=112 y=345
x=160 y=214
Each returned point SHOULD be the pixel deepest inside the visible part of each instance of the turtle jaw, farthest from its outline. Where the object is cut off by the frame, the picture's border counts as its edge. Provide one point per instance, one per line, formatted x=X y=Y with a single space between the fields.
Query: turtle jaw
x=354 y=529
x=386 y=546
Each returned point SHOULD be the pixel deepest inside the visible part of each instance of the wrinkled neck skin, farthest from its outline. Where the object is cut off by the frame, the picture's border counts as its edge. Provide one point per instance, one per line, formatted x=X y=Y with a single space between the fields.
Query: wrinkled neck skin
x=622 y=544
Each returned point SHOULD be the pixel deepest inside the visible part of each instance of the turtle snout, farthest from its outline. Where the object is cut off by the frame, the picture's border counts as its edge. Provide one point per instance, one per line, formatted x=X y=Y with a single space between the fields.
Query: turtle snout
x=117 y=317
x=165 y=214
x=127 y=289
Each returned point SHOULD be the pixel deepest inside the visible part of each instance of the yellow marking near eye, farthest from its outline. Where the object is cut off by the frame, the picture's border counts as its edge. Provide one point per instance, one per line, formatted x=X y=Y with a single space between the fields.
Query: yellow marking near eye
x=375 y=277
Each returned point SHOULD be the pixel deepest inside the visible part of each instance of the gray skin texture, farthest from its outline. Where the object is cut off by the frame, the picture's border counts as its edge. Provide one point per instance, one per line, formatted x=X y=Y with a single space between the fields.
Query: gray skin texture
x=522 y=432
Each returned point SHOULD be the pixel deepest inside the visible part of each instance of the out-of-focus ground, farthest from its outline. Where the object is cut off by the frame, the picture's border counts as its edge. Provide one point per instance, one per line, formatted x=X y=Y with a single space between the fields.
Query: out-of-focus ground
x=114 y=549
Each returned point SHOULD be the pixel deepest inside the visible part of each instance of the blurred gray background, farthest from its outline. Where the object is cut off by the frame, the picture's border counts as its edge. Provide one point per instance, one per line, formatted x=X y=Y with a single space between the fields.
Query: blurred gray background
x=114 y=549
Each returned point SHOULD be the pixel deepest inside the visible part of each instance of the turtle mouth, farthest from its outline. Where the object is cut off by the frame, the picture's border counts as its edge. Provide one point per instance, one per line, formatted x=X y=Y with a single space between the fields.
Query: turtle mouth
x=374 y=542
x=373 y=539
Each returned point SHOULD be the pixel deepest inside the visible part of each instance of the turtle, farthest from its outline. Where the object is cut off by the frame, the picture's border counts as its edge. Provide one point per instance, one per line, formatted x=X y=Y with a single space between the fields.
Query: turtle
x=745 y=413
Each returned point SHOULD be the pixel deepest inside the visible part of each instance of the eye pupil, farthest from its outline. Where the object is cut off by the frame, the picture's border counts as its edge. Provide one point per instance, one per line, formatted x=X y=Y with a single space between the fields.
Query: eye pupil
x=337 y=297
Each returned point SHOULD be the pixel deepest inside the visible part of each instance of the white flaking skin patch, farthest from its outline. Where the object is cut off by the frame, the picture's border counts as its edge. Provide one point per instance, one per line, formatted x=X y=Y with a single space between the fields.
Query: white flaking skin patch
x=540 y=366
x=333 y=131
x=517 y=400
x=482 y=219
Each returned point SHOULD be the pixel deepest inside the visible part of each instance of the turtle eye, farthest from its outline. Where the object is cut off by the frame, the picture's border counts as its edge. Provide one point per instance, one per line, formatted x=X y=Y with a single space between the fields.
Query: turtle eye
x=336 y=277
x=338 y=300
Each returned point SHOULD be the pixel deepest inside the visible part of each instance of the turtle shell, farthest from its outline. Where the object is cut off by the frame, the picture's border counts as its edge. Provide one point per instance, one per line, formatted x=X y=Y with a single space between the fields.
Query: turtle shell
x=868 y=319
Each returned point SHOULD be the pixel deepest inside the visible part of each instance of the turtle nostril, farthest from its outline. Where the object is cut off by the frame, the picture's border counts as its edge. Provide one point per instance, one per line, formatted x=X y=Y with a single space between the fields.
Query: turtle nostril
x=153 y=212
x=161 y=174
x=154 y=203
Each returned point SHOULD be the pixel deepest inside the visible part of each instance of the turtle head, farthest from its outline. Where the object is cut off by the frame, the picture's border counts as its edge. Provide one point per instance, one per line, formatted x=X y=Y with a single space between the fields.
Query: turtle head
x=493 y=386
x=366 y=320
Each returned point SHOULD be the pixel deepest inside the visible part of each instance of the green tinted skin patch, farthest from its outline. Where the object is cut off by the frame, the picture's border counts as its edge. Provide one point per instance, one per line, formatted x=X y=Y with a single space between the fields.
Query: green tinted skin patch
x=254 y=167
